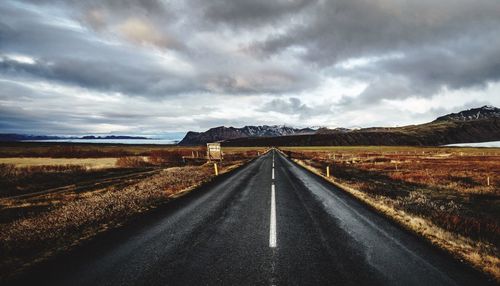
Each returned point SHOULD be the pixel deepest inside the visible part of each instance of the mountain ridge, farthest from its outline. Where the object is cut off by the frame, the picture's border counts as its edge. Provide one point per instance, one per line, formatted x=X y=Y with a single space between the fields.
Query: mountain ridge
x=486 y=111
x=473 y=125
x=222 y=133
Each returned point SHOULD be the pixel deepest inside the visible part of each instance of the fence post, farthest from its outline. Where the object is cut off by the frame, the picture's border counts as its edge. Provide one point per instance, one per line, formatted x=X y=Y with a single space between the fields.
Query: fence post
x=215 y=169
x=328 y=171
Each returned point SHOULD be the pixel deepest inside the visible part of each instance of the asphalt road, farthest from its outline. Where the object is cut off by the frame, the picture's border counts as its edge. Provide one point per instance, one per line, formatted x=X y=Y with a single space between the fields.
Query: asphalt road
x=259 y=226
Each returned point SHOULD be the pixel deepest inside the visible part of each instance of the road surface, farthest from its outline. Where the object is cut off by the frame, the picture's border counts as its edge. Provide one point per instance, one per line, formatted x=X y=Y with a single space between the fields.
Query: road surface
x=269 y=223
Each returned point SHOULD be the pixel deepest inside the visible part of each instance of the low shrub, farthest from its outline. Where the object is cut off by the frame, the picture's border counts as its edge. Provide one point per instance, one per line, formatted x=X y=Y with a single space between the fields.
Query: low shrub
x=131 y=162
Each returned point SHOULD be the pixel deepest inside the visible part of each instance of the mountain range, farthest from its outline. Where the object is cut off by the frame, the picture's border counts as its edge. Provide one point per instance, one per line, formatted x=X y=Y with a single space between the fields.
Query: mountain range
x=222 y=133
x=474 y=125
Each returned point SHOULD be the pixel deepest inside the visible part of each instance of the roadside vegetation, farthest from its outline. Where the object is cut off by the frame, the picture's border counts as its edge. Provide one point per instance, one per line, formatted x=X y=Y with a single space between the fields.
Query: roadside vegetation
x=449 y=195
x=18 y=181
x=48 y=209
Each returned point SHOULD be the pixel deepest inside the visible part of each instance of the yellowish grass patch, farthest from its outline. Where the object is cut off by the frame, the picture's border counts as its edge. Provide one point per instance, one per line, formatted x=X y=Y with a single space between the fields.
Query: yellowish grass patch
x=91 y=163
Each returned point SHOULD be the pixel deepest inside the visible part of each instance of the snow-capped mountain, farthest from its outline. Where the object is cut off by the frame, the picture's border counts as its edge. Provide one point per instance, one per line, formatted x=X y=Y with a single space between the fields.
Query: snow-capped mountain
x=484 y=112
x=223 y=133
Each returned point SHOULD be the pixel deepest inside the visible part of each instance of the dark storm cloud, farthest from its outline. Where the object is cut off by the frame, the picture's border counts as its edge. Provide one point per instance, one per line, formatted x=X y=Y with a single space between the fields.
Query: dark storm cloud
x=443 y=43
x=78 y=56
x=138 y=80
x=463 y=64
x=422 y=73
x=238 y=13
x=116 y=8
x=342 y=29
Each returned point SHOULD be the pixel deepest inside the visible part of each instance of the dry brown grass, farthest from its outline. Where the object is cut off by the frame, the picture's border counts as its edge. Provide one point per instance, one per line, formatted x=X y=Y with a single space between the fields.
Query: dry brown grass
x=441 y=194
x=78 y=218
x=34 y=174
x=131 y=162
x=90 y=163
x=85 y=150
x=22 y=181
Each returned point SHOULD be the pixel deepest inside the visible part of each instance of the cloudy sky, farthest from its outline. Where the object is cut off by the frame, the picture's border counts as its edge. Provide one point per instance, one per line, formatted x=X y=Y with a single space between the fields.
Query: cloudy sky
x=152 y=66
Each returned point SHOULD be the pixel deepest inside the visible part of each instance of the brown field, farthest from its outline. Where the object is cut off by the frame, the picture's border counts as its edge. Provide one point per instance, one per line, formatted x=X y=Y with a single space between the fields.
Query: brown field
x=88 y=150
x=49 y=208
x=454 y=191
x=81 y=150
x=89 y=163
x=59 y=165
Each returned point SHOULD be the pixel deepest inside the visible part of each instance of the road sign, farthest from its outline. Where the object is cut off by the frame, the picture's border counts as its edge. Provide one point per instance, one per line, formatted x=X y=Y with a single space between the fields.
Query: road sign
x=214 y=151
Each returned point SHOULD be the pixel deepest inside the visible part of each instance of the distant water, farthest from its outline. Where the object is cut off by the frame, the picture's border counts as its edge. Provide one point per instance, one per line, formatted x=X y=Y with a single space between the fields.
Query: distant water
x=113 y=141
x=481 y=144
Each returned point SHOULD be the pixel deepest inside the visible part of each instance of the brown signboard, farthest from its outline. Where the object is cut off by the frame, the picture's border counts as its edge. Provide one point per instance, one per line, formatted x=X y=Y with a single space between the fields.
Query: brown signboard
x=214 y=151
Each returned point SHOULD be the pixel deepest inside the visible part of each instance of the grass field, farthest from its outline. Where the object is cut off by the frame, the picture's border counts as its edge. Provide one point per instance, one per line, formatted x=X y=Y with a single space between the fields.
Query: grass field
x=453 y=192
x=27 y=167
x=90 y=163
x=88 y=150
x=82 y=150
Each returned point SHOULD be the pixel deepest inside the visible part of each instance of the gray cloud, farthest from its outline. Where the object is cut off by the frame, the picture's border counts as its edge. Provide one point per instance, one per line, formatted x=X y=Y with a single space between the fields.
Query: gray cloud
x=290 y=106
x=82 y=57
x=352 y=28
x=463 y=64
x=445 y=43
x=238 y=13
x=138 y=80
x=191 y=61
x=379 y=90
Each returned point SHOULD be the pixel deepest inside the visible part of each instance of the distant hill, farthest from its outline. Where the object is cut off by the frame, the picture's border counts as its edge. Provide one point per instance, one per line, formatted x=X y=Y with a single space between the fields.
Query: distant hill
x=6 y=137
x=92 y=137
x=473 y=125
x=222 y=133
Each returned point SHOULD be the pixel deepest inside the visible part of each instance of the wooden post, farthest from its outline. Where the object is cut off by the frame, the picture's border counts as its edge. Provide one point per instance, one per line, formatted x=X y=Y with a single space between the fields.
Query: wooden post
x=488 y=180
x=215 y=169
x=328 y=171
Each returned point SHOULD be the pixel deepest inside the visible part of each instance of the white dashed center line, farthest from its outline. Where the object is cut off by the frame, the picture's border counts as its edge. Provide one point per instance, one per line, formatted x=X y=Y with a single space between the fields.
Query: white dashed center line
x=272 y=228
x=272 y=223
